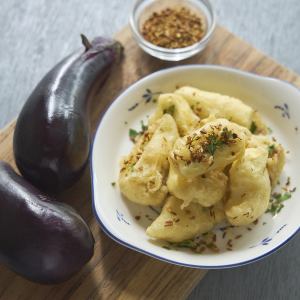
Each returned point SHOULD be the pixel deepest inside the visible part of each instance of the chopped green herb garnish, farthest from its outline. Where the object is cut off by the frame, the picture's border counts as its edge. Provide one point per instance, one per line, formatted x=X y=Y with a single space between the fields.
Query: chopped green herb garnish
x=131 y=166
x=170 y=110
x=213 y=144
x=282 y=197
x=144 y=127
x=166 y=247
x=133 y=134
x=214 y=141
x=253 y=127
x=271 y=150
x=226 y=135
x=113 y=184
x=209 y=142
x=185 y=244
x=270 y=130
x=276 y=205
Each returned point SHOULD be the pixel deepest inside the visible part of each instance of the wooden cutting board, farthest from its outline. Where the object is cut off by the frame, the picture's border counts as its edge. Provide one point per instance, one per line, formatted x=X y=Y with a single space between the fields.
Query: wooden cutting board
x=116 y=272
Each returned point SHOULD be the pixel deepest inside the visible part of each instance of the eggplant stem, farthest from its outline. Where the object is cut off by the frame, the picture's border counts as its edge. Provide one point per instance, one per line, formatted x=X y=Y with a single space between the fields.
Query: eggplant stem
x=85 y=41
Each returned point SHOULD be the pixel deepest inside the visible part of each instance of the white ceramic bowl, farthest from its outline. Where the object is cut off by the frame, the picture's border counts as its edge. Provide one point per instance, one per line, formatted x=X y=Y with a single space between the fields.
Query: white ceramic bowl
x=279 y=104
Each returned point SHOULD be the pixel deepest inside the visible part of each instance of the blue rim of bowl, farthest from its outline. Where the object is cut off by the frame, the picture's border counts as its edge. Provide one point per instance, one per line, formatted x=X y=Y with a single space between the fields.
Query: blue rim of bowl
x=137 y=249
x=140 y=39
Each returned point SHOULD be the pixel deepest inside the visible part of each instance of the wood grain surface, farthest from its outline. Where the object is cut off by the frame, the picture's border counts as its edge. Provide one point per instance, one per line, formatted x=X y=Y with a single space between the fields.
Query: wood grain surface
x=116 y=272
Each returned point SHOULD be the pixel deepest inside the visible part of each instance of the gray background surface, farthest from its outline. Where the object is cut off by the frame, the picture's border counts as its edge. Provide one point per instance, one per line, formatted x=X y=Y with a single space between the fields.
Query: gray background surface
x=36 y=34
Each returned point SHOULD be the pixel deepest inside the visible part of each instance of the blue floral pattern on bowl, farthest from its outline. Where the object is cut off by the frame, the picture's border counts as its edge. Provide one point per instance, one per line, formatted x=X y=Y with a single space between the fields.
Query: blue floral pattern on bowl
x=120 y=217
x=267 y=240
x=285 y=112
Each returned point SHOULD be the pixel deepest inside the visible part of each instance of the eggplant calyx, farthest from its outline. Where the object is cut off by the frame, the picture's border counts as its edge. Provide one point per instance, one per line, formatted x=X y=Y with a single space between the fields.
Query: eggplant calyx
x=85 y=41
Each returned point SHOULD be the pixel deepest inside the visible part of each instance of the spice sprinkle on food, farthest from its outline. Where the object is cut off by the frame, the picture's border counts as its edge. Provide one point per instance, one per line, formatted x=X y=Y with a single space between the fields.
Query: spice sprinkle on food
x=173 y=28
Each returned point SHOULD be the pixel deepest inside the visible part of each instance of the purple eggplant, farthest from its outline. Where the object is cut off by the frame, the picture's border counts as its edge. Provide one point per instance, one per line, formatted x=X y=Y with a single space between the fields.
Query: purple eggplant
x=52 y=134
x=42 y=240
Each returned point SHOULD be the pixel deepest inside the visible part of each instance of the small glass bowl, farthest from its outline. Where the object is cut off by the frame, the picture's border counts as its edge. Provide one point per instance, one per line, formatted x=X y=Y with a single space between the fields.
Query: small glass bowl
x=143 y=9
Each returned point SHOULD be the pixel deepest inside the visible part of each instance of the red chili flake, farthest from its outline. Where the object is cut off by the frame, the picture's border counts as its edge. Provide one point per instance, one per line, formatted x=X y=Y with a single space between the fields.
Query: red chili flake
x=148 y=217
x=200 y=250
x=212 y=213
x=214 y=238
x=223 y=228
x=168 y=223
x=201 y=242
x=213 y=247
x=229 y=243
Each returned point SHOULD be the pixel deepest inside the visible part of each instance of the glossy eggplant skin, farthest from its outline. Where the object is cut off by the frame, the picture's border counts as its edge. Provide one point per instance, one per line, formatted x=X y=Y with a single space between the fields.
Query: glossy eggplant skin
x=40 y=239
x=52 y=134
